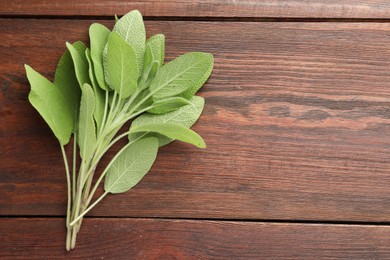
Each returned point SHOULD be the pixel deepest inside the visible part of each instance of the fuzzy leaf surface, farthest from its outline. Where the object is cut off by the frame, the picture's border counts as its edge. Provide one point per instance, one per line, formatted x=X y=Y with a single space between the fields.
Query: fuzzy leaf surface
x=167 y=105
x=155 y=46
x=184 y=116
x=172 y=131
x=122 y=67
x=183 y=76
x=132 y=29
x=131 y=165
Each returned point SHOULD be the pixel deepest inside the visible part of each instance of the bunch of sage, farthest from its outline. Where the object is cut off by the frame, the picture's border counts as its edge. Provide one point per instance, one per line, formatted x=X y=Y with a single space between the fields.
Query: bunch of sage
x=121 y=77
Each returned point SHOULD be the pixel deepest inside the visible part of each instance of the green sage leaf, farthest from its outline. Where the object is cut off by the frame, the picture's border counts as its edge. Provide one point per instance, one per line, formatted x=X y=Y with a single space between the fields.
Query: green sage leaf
x=99 y=93
x=172 y=131
x=132 y=29
x=91 y=73
x=65 y=79
x=155 y=50
x=183 y=76
x=51 y=104
x=77 y=51
x=122 y=68
x=148 y=75
x=167 y=105
x=98 y=35
x=87 y=132
x=131 y=165
x=184 y=116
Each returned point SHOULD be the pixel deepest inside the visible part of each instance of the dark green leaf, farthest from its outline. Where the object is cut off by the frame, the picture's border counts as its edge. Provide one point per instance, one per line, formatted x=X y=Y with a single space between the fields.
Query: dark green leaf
x=77 y=51
x=98 y=35
x=99 y=94
x=87 y=132
x=65 y=79
x=49 y=101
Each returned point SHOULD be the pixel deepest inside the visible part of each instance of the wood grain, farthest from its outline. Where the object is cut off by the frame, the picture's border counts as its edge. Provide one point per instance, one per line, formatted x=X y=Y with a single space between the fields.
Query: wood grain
x=180 y=239
x=297 y=124
x=374 y=9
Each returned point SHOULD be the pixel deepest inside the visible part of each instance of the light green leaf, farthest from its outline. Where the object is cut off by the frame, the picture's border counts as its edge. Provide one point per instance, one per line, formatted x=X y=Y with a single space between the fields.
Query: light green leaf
x=87 y=133
x=155 y=50
x=122 y=68
x=167 y=105
x=91 y=73
x=185 y=116
x=77 y=51
x=148 y=60
x=49 y=101
x=172 y=131
x=99 y=94
x=105 y=69
x=183 y=76
x=131 y=165
x=132 y=29
x=148 y=75
x=98 y=34
x=65 y=79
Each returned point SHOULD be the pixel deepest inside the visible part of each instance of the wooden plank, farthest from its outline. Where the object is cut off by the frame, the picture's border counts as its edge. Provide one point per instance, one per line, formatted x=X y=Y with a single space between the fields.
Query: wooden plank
x=202 y=8
x=181 y=239
x=297 y=124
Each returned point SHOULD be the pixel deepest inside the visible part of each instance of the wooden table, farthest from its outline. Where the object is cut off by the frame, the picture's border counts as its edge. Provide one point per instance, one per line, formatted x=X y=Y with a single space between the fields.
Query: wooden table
x=297 y=123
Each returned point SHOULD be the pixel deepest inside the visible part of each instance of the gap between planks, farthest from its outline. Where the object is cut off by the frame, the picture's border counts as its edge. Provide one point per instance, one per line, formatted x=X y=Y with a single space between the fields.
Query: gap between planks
x=259 y=221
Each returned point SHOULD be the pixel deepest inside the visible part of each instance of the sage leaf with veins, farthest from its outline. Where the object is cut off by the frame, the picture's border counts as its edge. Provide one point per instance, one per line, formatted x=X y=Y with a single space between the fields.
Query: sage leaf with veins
x=184 y=116
x=167 y=105
x=173 y=131
x=132 y=29
x=131 y=165
x=183 y=76
x=155 y=50
x=121 y=66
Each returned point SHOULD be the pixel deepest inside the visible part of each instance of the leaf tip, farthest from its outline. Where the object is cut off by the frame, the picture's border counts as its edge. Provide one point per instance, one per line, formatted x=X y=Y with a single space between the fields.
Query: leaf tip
x=68 y=45
x=137 y=12
x=202 y=145
x=27 y=67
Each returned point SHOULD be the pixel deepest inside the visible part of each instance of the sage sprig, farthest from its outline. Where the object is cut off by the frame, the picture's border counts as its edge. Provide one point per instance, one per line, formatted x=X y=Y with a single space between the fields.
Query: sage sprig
x=120 y=77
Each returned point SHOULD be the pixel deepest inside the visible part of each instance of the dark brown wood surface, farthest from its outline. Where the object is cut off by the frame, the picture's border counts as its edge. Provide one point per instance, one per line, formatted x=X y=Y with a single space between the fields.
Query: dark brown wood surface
x=188 y=239
x=297 y=123
x=373 y=9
